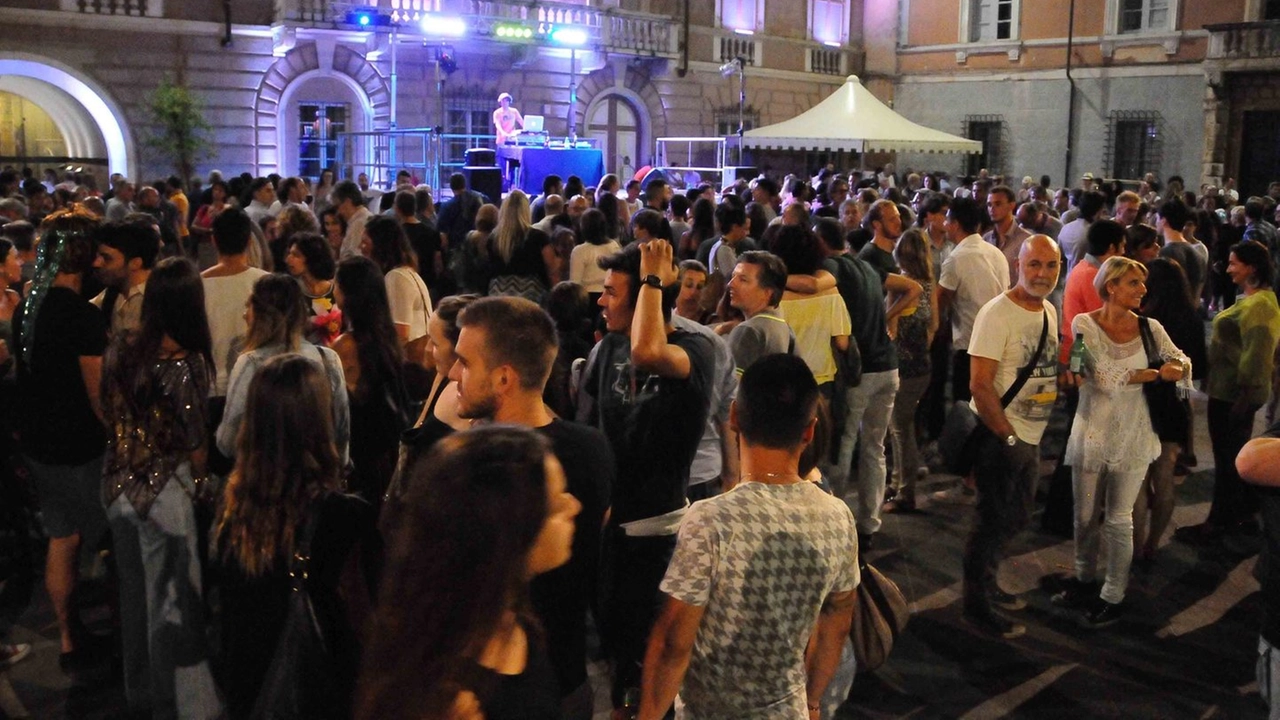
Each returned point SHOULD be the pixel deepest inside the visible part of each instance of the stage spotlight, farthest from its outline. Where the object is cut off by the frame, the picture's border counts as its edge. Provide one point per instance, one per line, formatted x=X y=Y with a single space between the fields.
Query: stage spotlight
x=443 y=25
x=569 y=36
x=367 y=17
x=448 y=61
x=513 y=32
x=731 y=67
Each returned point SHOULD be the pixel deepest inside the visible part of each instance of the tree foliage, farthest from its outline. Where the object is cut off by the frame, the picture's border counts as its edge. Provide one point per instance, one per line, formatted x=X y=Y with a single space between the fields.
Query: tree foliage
x=181 y=135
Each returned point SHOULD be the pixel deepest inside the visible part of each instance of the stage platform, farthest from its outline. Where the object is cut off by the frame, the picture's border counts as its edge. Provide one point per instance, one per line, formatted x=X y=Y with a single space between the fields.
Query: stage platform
x=538 y=162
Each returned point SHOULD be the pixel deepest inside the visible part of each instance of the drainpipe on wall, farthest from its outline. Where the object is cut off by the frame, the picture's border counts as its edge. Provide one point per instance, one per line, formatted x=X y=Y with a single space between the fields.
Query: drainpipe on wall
x=684 y=44
x=1071 y=100
x=226 y=9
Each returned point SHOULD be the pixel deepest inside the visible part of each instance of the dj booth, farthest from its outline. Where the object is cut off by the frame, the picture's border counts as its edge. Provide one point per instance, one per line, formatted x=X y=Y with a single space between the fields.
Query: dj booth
x=535 y=163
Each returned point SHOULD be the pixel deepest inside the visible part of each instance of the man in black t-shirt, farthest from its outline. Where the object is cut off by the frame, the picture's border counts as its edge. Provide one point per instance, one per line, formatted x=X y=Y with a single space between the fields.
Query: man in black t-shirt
x=424 y=238
x=505 y=349
x=59 y=339
x=647 y=386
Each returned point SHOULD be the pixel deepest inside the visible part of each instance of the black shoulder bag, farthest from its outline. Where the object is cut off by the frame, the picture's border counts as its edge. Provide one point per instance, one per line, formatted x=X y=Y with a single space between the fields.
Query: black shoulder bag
x=1170 y=416
x=304 y=670
x=981 y=434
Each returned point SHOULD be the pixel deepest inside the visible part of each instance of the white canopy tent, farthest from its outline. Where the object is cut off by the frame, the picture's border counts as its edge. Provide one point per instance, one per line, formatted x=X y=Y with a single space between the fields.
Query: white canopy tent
x=854 y=120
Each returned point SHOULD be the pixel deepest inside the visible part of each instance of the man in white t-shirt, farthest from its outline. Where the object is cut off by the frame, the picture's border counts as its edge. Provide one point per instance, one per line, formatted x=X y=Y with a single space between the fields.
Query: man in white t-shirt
x=227 y=286
x=972 y=274
x=759 y=574
x=1007 y=333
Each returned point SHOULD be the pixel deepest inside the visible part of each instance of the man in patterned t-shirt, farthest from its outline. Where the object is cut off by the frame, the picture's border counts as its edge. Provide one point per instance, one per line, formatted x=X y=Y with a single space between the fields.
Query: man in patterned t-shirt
x=755 y=569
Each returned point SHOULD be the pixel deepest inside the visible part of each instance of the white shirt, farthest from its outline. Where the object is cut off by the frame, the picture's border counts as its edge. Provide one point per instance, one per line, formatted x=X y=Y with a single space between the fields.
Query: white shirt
x=1008 y=333
x=224 y=299
x=976 y=271
x=409 y=301
x=355 y=232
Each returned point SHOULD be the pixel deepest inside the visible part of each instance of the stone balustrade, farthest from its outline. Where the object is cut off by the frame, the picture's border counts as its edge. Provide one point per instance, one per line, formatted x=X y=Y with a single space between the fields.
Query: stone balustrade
x=1243 y=41
x=609 y=29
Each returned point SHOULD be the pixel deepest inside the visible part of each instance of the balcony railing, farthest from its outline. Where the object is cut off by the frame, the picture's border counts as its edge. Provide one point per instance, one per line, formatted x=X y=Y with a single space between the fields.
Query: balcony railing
x=609 y=28
x=1242 y=41
x=133 y=8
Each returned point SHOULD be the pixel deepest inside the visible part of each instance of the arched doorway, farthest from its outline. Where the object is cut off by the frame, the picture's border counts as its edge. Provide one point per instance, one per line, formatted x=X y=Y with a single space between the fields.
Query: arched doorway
x=315 y=108
x=91 y=124
x=614 y=123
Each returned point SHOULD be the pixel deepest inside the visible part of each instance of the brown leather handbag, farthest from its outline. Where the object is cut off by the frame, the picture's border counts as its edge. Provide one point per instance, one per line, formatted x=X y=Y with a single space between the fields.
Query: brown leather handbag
x=880 y=614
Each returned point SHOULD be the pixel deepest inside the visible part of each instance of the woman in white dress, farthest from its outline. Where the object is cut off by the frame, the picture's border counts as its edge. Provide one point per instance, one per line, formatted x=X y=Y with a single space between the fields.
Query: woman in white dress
x=1112 y=441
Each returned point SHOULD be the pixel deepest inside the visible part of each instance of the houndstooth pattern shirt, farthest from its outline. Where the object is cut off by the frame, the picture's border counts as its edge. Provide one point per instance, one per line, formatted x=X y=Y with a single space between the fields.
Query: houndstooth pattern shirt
x=760 y=559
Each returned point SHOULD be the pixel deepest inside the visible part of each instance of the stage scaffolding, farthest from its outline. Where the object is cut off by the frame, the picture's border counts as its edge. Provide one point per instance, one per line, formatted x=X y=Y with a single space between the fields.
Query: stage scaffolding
x=429 y=155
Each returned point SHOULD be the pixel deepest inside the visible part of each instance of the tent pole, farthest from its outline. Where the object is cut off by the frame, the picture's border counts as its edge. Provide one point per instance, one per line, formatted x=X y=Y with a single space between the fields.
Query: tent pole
x=742 y=104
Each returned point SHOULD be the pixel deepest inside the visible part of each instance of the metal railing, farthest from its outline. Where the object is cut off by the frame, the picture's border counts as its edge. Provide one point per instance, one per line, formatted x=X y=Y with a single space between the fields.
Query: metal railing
x=383 y=153
x=697 y=153
x=1236 y=41
x=132 y=8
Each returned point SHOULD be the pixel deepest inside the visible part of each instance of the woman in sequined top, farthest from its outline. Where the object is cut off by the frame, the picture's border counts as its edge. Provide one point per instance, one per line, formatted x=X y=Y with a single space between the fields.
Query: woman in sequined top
x=154 y=390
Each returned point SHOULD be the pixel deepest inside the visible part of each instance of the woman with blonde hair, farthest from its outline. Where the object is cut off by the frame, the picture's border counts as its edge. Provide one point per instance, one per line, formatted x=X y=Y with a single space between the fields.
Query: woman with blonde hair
x=522 y=259
x=912 y=332
x=1112 y=440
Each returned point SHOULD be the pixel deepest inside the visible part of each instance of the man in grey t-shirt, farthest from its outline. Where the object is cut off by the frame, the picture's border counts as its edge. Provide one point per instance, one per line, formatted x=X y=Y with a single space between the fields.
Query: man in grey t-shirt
x=759 y=574
x=758 y=281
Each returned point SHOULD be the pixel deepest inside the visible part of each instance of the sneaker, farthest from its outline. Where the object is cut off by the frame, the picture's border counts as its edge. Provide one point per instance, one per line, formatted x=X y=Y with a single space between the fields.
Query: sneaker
x=1004 y=600
x=1075 y=594
x=1102 y=614
x=901 y=503
x=961 y=494
x=11 y=655
x=993 y=624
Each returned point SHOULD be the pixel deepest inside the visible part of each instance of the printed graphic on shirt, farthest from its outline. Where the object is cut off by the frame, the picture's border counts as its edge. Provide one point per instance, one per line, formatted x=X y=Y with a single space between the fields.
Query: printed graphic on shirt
x=1035 y=400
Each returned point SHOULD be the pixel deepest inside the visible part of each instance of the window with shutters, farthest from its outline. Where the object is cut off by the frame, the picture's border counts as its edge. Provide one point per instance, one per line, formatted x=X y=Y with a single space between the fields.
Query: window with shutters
x=829 y=21
x=992 y=20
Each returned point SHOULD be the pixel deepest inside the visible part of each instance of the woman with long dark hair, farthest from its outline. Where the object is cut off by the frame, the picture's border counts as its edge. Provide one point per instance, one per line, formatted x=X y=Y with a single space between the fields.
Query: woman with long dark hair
x=372 y=364
x=334 y=229
x=439 y=417
x=277 y=318
x=702 y=227
x=286 y=487
x=155 y=385
x=521 y=257
x=1168 y=301
x=310 y=262
x=597 y=242
x=492 y=507
x=410 y=300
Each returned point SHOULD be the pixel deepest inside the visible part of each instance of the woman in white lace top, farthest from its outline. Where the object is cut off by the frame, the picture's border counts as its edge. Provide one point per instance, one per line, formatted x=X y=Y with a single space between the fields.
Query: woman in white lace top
x=1112 y=441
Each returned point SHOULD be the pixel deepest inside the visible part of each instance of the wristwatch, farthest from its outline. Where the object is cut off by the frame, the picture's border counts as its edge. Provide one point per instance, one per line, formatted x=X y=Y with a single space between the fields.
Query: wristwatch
x=652 y=281
x=1011 y=440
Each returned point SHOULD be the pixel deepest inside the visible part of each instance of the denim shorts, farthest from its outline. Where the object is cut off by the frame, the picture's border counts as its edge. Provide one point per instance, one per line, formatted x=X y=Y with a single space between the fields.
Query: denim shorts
x=69 y=496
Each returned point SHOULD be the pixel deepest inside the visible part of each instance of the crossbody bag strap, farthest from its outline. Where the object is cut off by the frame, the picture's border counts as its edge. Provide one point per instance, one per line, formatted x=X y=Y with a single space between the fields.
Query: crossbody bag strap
x=1025 y=373
x=1148 y=341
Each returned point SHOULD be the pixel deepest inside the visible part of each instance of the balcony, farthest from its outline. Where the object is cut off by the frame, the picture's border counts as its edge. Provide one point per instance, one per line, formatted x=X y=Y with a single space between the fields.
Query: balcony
x=608 y=29
x=1244 y=41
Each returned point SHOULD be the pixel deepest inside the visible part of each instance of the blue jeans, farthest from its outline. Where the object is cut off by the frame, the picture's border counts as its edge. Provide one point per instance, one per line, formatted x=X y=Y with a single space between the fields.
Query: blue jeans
x=870 y=406
x=162 y=624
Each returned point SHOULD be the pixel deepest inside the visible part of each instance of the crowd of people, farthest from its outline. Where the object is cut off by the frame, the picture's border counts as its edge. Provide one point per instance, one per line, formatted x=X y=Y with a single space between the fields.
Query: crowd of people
x=357 y=455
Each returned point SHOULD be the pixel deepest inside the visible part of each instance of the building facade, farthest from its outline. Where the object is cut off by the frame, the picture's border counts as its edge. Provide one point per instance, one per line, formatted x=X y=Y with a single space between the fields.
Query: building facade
x=292 y=86
x=1172 y=87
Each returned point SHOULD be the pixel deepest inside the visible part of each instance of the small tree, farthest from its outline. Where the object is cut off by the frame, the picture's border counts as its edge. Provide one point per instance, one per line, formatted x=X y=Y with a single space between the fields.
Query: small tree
x=181 y=131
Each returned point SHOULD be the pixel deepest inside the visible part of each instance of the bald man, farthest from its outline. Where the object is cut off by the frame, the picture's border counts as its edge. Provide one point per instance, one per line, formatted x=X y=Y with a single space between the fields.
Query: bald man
x=1017 y=329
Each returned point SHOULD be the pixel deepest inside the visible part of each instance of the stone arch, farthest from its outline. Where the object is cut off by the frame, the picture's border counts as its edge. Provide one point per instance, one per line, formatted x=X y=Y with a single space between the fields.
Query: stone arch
x=297 y=66
x=90 y=120
x=632 y=83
